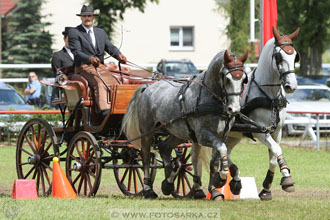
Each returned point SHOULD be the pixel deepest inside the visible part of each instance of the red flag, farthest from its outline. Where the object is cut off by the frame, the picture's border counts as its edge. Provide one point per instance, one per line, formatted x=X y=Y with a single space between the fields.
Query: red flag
x=270 y=19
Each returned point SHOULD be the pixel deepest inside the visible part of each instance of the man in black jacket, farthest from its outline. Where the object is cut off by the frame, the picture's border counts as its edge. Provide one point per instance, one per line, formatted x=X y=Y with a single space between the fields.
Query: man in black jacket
x=64 y=57
x=88 y=44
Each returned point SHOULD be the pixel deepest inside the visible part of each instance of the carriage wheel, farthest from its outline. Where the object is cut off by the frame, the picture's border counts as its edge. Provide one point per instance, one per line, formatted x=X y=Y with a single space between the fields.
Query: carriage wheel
x=183 y=182
x=129 y=178
x=35 y=149
x=83 y=164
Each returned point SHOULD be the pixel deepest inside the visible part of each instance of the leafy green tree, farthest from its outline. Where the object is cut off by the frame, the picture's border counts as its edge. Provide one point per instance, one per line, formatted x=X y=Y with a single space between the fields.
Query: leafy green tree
x=313 y=17
x=111 y=10
x=26 y=40
x=238 y=29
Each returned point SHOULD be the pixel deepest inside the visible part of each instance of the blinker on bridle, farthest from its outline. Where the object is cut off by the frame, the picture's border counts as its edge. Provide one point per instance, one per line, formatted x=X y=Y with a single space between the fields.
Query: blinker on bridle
x=279 y=58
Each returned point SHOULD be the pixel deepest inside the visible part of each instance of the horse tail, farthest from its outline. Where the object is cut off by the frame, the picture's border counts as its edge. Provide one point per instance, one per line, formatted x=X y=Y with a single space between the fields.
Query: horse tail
x=130 y=124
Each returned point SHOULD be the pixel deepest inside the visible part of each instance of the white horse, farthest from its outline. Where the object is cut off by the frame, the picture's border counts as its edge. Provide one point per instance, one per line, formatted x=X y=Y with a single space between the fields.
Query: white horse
x=264 y=102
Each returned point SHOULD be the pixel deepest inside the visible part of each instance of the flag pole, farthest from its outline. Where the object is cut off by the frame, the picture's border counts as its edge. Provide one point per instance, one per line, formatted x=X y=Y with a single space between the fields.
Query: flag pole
x=261 y=19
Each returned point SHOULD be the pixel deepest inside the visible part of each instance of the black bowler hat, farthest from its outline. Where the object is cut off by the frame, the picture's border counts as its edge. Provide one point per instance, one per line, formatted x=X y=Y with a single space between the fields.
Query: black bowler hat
x=87 y=10
x=66 y=31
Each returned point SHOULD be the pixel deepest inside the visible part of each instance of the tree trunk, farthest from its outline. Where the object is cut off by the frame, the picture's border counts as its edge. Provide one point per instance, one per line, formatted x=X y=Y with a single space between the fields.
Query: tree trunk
x=311 y=60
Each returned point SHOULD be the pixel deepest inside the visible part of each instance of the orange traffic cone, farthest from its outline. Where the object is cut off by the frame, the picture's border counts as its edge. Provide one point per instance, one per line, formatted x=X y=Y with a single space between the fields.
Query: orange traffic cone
x=61 y=187
x=225 y=190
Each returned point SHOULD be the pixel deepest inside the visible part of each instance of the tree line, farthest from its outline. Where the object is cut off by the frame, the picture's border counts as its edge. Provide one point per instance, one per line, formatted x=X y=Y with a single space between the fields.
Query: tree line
x=26 y=40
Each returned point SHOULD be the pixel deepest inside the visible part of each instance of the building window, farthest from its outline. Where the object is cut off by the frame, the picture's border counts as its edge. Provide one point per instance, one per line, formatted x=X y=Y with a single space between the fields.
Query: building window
x=181 y=38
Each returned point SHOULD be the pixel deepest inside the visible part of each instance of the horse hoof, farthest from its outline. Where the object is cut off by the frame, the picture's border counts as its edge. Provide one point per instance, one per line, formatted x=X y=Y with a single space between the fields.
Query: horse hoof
x=288 y=189
x=235 y=186
x=149 y=194
x=265 y=195
x=287 y=184
x=217 y=181
x=199 y=194
x=216 y=195
x=167 y=187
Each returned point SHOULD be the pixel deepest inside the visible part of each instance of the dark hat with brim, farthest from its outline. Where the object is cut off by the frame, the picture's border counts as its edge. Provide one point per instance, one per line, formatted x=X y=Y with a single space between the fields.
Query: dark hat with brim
x=87 y=10
x=66 y=31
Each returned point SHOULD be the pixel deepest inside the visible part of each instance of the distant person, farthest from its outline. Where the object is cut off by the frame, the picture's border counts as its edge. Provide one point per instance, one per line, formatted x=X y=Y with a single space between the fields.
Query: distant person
x=62 y=58
x=33 y=90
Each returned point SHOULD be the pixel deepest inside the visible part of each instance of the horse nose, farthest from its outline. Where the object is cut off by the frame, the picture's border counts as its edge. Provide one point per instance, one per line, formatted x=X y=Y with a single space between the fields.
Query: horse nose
x=233 y=110
x=289 y=88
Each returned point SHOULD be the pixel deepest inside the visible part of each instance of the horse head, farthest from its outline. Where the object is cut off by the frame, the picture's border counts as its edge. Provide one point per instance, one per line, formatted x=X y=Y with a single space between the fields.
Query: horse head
x=285 y=57
x=233 y=79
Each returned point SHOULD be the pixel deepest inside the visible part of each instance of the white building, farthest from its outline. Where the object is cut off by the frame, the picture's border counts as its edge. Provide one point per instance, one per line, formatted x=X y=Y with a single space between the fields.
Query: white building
x=172 y=29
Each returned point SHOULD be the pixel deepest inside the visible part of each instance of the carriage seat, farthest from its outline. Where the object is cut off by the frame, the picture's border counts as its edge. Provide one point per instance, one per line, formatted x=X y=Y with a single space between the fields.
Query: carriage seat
x=81 y=84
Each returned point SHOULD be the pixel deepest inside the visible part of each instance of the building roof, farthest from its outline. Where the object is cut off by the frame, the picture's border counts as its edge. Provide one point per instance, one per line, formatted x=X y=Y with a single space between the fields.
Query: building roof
x=7 y=6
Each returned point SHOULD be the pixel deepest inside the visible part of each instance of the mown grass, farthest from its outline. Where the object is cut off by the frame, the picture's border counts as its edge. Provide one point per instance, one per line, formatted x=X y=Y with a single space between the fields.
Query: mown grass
x=309 y=168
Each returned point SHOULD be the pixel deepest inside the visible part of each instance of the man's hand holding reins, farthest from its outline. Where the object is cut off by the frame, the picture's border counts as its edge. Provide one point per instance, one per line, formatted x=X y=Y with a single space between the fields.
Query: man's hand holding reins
x=122 y=59
x=94 y=61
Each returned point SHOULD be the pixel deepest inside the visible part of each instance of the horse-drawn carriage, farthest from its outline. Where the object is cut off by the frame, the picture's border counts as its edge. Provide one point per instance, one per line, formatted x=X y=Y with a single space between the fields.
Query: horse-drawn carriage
x=202 y=110
x=87 y=143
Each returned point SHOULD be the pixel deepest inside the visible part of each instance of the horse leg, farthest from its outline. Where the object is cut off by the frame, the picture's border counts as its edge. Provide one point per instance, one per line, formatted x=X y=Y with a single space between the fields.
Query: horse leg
x=276 y=157
x=266 y=193
x=235 y=183
x=171 y=168
x=148 y=191
x=196 y=191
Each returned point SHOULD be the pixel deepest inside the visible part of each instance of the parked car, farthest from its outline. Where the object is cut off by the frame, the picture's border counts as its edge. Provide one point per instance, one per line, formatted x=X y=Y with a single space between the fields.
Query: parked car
x=313 y=79
x=177 y=68
x=308 y=98
x=10 y=99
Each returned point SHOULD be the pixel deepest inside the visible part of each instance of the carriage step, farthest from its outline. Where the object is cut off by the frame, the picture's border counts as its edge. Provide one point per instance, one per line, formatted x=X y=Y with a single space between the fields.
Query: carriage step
x=246 y=128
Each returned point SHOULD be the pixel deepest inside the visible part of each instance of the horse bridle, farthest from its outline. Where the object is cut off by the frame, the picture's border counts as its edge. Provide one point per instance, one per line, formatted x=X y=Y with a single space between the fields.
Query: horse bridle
x=230 y=70
x=279 y=58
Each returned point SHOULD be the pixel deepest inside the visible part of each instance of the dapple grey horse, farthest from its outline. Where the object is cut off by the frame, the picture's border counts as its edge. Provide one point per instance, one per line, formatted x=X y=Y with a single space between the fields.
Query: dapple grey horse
x=264 y=102
x=201 y=110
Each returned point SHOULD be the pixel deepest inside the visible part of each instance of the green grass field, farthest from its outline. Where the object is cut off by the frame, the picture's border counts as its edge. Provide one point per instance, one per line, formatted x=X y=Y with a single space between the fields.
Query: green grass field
x=309 y=168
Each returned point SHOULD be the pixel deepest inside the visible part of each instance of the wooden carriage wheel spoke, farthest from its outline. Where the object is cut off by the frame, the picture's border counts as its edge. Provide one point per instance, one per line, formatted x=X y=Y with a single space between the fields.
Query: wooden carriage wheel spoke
x=85 y=184
x=90 y=157
x=187 y=158
x=87 y=151
x=39 y=138
x=91 y=173
x=187 y=180
x=30 y=171
x=47 y=148
x=25 y=163
x=140 y=177
x=34 y=138
x=49 y=157
x=189 y=172
x=46 y=175
x=129 y=180
x=27 y=152
x=89 y=183
x=38 y=180
x=135 y=181
x=45 y=165
x=74 y=158
x=30 y=144
x=183 y=186
x=80 y=183
x=83 y=153
x=42 y=180
x=124 y=176
x=34 y=174
x=44 y=138
x=75 y=180
x=79 y=152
